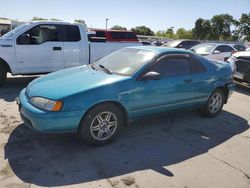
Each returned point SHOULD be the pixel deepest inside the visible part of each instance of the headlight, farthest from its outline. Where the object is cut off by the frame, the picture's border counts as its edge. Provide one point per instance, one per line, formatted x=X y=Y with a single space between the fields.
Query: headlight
x=232 y=61
x=46 y=104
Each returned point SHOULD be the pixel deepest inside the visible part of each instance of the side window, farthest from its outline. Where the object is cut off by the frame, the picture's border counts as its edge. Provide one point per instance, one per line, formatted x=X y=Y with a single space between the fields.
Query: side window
x=228 y=48
x=240 y=47
x=219 y=48
x=39 y=35
x=100 y=34
x=172 y=66
x=72 y=33
x=195 y=65
x=122 y=35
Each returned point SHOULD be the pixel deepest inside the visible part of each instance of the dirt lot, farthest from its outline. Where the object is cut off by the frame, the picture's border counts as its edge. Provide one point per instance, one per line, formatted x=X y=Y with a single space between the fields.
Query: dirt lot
x=180 y=149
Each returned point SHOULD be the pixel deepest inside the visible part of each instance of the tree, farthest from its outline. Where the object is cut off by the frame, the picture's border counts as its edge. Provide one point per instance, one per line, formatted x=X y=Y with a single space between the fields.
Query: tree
x=35 y=18
x=183 y=34
x=170 y=33
x=81 y=21
x=143 y=30
x=221 y=26
x=118 y=27
x=202 y=29
x=243 y=27
x=55 y=19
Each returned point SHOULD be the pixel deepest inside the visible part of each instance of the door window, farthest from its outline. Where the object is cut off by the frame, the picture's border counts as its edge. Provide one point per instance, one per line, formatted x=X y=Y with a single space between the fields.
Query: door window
x=224 y=48
x=172 y=66
x=72 y=33
x=39 y=35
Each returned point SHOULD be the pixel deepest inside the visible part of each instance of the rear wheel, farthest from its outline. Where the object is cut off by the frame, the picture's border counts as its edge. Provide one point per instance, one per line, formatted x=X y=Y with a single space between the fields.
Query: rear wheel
x=214 y=104
x=3 y=74
x=101 y=124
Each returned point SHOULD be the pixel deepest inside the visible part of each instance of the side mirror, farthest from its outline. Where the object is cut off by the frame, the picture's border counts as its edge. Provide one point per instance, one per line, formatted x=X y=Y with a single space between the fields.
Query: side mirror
x=24 y=39
x=216 y=52
x=151 y=76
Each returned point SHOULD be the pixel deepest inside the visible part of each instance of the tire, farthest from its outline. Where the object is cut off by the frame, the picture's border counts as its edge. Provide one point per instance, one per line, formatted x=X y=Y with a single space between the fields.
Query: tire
x=101 y=124
x=3 y=74
x=214 y=103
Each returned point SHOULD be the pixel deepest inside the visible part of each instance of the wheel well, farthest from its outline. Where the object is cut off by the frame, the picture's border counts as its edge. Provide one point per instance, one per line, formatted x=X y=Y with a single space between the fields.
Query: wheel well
x=225 y=91
x=5 y=64
x=117 y=104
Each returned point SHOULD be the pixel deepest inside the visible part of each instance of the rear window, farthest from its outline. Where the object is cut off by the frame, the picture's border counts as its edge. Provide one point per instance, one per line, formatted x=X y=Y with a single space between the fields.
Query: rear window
x=123 y=35
x=72 y=33
x=100 y=34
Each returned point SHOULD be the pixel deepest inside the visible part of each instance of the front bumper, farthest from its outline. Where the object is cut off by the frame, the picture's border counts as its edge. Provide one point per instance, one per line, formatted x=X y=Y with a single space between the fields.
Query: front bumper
x=44 y=121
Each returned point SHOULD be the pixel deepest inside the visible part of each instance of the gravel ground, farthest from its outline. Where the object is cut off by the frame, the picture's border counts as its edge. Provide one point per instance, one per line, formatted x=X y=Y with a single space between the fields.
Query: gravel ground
x=181 y=149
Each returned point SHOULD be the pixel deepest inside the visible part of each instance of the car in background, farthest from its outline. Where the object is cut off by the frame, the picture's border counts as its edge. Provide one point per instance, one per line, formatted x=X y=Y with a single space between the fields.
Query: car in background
x=184 y=44
x=113 y=35
x=240 y=61
x=96 y=100
x=146 y=43
x=217 y=51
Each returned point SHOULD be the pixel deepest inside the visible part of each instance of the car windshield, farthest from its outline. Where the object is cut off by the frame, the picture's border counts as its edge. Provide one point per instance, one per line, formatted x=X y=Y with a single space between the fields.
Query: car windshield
x=125 y=61
x=16 y=30
x=203 y=49
x=173 y=43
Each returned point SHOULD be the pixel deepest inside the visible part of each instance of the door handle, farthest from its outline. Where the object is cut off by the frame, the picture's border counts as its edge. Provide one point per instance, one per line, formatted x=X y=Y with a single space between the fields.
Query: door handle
x=188 y=81
x=56 y=48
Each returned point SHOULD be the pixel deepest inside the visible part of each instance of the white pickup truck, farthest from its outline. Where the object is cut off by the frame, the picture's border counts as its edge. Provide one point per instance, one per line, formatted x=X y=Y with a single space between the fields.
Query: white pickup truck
x=46 y=46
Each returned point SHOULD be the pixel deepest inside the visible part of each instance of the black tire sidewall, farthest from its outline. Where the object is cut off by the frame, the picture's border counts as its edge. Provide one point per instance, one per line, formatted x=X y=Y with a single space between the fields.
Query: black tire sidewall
x=206 y=110
x=3 y=74
x=84 y=128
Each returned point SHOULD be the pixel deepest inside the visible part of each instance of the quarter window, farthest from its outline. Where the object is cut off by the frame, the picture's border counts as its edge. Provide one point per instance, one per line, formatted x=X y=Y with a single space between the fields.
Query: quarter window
x=172 y=66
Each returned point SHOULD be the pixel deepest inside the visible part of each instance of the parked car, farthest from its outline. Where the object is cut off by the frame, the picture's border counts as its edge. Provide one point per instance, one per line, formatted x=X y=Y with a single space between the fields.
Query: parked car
x=115 y=35
x=97 y=100
x=184 y=44
x=216 y=51
x=42 y=47
x=146 y=43
x=240 y=62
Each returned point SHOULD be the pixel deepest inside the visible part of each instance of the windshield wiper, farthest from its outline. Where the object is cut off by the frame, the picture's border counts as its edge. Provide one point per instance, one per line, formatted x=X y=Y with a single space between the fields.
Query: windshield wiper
x=105 y=69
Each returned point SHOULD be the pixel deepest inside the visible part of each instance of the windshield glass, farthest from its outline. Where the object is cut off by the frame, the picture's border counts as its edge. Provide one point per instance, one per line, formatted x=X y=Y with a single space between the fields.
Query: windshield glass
x=125 y=61
x=16 y=30
x=203 y=48
x=173 y=43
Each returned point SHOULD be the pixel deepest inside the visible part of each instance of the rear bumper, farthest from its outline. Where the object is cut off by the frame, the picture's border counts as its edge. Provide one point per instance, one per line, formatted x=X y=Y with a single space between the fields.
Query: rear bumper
x=43 y=121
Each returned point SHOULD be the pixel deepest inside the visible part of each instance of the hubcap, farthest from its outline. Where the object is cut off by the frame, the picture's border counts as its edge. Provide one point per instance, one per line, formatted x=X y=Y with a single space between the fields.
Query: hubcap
x=103 y=126
x=215 y=103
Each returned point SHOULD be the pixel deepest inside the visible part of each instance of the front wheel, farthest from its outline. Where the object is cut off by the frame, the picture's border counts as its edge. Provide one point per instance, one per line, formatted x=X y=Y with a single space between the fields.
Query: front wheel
x=3 y=74
x=101 y=124
x=214 y=104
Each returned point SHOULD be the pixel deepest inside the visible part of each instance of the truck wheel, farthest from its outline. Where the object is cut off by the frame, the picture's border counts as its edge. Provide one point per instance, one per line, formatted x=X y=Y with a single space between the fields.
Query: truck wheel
x=214 y=104
x=3 y=74
x=101 y=124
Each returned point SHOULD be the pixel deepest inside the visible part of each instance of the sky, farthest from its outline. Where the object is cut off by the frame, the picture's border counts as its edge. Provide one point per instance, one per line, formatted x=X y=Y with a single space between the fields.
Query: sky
x=158 y=14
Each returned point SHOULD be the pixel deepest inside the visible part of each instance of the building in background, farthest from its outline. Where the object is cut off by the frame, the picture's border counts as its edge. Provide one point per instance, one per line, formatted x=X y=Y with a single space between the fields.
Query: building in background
x=5 y=26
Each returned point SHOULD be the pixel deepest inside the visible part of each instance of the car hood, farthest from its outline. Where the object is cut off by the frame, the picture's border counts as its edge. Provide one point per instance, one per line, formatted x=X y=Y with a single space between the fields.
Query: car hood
x=242 y=54
x=70 y=81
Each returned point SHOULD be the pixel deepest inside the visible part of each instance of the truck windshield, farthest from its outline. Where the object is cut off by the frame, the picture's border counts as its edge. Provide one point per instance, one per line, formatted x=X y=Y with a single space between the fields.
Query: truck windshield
x=125 y=61
x=16 y=30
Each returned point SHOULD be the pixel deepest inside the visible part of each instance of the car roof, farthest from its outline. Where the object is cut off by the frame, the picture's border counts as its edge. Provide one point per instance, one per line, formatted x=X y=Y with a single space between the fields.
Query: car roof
x=159 y=50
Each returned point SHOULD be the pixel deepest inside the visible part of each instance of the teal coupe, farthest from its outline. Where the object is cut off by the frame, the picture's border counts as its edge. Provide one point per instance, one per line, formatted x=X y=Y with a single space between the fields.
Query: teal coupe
x=96 y=100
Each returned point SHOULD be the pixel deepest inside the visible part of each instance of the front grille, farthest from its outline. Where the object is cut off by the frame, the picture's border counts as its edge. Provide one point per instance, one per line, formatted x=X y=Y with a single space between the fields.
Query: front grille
x=243 y=66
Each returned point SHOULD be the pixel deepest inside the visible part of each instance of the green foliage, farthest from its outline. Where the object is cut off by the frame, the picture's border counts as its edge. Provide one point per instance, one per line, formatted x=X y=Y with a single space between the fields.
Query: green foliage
x=55 y=19
x=143 y=30
x=243 y=27
x=38 y=19
x=183 y=34
x=81 y=21
x=118 y=27
x=221 y=26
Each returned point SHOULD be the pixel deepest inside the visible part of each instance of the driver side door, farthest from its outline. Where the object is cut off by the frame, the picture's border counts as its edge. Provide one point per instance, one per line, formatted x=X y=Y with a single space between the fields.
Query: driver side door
x=174 y=89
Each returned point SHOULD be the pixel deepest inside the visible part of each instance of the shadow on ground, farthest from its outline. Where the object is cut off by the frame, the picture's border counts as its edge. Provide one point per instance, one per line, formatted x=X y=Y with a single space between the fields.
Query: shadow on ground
x=243 y=89
x=56 y=160
x=10 y=90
